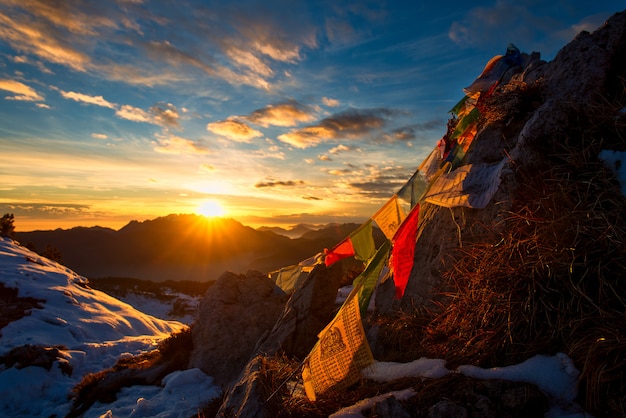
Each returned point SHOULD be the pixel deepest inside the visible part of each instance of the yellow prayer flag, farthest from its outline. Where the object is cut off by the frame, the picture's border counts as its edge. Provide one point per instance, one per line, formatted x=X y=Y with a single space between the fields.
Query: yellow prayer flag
x=389 y=217
x=340 y=354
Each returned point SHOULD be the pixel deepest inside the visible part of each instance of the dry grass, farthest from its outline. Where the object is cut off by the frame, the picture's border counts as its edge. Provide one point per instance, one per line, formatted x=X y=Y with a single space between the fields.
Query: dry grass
x=552 y=281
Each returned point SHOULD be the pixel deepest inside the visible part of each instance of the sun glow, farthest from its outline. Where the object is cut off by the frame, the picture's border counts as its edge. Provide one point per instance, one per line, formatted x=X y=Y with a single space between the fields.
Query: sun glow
x=210 y=209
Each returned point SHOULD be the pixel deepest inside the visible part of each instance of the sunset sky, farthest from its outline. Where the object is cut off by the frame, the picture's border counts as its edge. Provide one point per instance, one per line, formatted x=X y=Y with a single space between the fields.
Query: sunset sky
x=274 y=112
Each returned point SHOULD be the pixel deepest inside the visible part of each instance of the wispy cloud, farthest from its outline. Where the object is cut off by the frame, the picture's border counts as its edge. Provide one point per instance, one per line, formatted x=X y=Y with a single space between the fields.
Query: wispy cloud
x=84 y=98
x=349 y=124
x=234 y=130
x=172 y=144
x=20 y=90
x=279 y=183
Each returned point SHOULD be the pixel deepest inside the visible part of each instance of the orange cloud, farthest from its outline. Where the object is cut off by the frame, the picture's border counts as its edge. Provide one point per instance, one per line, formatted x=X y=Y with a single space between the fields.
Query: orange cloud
x=21 y=91
x=283 y=114
x=33 y=37
x=233 y=129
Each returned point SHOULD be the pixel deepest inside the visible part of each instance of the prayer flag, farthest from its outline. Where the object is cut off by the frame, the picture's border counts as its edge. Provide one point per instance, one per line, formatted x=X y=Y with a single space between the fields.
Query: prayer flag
x=368 y=279
x=404 y=251
x=414 y=189
x=472 y=185
x=363 y=241
x=340 y=354
x=389 y=217
x=340 y=251
x=465 y=122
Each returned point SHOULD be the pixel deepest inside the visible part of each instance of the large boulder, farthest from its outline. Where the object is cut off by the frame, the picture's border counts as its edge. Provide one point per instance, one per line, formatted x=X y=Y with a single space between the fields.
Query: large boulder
x=306 y=313
x=233 y=314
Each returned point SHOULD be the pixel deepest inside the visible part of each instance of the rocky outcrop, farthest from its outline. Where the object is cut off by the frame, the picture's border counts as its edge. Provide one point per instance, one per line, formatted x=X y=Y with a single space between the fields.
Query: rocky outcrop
x=306 y=313
x=233 y=315
x=536 y=103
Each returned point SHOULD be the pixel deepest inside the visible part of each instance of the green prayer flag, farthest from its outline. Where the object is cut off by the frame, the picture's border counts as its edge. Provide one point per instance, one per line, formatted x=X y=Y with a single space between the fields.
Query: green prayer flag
x=363 y=241
x=465 y=122
x=367 y=281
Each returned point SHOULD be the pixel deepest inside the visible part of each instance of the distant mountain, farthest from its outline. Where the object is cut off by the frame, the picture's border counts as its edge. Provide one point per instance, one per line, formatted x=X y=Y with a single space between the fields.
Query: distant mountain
x=181 y=247
x=294 y=232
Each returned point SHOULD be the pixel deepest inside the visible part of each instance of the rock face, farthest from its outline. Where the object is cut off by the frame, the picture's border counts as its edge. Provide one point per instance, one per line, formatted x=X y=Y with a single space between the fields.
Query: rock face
x=233 y=314
x=306 y=313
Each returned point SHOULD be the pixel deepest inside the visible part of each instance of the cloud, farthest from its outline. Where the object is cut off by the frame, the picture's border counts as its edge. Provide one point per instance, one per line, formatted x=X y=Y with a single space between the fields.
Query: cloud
x=290 y=113
x=99 y=136
x=330 y=102
x=234 y=129
x=165 y=114
x=324 y=157
x=343 y=148
x=207 y=167
x=22 y=91
x=171 y=144
x=311 y=198
x=84 y=98
x=38 y=37
x=134 y=114
x=288 y=183
x=279 y=155
x=380 y=182
x=350 y=124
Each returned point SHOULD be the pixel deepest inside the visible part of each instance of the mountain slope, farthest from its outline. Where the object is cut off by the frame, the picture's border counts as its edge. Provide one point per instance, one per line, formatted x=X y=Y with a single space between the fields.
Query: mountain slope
x=69 y=330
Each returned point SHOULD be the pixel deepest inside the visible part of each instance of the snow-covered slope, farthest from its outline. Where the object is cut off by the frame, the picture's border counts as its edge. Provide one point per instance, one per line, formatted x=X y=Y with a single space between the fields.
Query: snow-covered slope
x=94 y=327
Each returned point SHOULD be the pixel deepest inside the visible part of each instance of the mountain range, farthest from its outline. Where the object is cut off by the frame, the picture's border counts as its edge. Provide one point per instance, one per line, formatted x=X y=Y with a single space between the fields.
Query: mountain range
x=185 y=247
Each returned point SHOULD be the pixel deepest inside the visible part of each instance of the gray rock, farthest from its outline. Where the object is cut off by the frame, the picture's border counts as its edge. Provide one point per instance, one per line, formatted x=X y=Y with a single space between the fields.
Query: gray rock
x=233 y=314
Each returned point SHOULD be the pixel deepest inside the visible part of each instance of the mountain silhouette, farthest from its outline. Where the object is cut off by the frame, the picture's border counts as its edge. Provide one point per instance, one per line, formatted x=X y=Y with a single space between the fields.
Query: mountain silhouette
x=181 y=247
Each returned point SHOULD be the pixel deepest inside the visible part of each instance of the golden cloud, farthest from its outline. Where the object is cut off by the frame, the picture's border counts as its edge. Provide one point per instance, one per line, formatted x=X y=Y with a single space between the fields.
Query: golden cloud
x=21 y=91
x=234 y=129
x=283 y=114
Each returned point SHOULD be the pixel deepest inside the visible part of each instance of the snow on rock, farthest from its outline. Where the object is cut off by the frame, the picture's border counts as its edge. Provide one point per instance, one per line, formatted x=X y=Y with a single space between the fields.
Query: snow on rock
x=382 y=371
x=555 y=375
x=181 y=391
x=95 y=328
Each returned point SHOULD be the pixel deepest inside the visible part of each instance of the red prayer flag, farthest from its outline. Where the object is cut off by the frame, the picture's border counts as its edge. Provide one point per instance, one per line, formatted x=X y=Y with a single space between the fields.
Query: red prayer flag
x=342 y=250
x=404 y=250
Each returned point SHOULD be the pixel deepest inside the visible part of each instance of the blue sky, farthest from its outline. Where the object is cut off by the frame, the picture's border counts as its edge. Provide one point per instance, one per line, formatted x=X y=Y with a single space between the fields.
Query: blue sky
x=278 y=112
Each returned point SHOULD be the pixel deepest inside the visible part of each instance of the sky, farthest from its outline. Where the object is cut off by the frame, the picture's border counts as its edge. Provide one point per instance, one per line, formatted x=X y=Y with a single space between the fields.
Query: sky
x=270 y=112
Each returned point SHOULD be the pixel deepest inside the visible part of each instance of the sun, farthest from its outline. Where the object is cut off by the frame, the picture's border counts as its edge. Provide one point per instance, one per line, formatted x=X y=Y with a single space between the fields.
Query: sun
x=210 y=209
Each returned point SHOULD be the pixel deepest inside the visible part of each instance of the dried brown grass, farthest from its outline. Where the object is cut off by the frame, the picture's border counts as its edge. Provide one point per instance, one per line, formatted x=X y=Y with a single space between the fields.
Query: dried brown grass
x=550 y=279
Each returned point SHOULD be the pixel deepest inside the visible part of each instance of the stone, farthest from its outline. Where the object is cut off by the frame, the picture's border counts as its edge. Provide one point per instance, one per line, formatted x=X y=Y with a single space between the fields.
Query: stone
x=233 y=314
